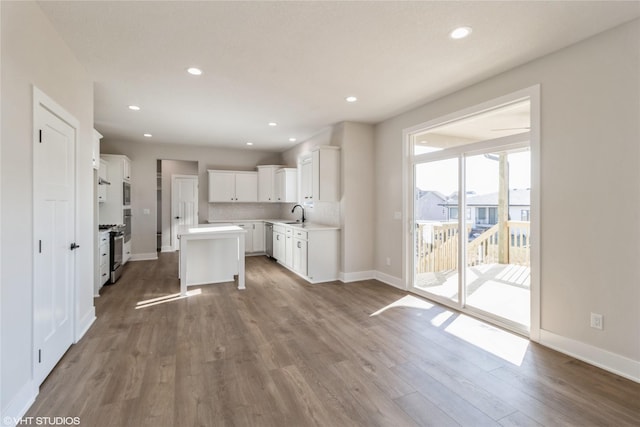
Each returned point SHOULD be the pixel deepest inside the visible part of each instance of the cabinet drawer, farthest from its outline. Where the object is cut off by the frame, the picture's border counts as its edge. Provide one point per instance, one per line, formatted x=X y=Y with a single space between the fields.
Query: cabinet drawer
x=104 y=254
x=288 y=231
x=299 y=234
x=104 y=238
x=104 y=273
x=279 y=228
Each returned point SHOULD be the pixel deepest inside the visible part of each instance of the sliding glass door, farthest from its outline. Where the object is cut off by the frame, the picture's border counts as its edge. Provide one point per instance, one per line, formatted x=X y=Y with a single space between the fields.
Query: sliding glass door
x=471 y=208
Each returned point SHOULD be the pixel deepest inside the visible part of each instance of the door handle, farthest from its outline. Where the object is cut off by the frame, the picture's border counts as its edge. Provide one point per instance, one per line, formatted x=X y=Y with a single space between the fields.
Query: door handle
x=74 y=246
x=177 y=217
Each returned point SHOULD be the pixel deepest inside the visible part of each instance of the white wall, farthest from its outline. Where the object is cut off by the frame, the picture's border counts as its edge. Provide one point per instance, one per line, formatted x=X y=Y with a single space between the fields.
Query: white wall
x=34 y=54
x=357 y=202
x=590 y=189
x=144 y=158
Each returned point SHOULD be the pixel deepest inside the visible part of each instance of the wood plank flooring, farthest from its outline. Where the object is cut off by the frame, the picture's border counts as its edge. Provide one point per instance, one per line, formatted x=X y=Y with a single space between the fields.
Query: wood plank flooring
x=287 y=353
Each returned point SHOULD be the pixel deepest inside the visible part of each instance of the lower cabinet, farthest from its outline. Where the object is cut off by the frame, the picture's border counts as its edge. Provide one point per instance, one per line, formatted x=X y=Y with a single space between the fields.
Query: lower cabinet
x=254 y=238
x=104 y=258
x=278 y=243
x=313 y=254
x=126 y=252
x=300 y=256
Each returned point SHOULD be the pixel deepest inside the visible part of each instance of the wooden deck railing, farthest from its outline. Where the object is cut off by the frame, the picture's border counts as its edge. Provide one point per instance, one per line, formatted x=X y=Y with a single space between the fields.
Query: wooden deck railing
x=437 y=246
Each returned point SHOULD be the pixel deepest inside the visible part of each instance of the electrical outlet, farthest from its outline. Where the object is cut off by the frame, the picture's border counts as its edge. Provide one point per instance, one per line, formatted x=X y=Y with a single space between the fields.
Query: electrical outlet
x=597 y=321
x=388 y=261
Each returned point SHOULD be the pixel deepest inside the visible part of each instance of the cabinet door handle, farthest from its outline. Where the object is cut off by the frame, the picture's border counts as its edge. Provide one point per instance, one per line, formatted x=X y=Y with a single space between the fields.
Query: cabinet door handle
x=300 y=245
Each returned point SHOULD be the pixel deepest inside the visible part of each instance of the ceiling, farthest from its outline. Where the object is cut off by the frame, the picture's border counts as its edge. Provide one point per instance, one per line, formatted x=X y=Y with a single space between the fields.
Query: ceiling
x=294 y=63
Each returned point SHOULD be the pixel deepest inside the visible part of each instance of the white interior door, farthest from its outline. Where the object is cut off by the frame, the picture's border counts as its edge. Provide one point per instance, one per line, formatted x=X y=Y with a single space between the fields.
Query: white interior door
x=54 y=235
x=184 y=203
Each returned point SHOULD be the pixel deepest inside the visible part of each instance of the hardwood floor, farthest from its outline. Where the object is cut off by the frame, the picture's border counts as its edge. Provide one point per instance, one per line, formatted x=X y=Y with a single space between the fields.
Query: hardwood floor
x=287 y=353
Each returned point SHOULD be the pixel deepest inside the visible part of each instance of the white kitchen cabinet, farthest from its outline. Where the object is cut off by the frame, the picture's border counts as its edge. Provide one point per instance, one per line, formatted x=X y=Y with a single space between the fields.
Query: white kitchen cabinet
x=126 y=169
x=320 y=175
x=266 y=183
x=288 y=248
x=126 y=252
x=110 y=210
x=104 y=249
x=313 y=252
x=254 y=237
x=285 y=185
x=305 y=165
x=258 y=237
x=95 y=148
x=248 y=236
x=233 y=186
x=278 y=243
x=300 y=256
x=103 y=181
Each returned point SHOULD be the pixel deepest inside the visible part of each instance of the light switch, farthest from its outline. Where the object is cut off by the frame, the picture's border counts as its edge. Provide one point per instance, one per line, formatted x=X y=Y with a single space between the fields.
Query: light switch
x=397 y=215
x=146 y=211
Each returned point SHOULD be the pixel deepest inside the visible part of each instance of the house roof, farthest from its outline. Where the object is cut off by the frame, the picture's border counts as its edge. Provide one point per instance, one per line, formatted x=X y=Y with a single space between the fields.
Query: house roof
x=517 y=197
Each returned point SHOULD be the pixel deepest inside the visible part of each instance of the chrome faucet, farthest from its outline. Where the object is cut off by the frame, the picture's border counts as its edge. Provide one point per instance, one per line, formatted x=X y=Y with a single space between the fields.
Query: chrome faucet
x=294 y=208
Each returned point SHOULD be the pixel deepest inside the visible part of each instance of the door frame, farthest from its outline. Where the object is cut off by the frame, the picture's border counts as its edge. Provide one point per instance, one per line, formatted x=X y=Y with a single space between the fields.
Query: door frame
x=40 y=99
x=533 y=94
x=174 y=240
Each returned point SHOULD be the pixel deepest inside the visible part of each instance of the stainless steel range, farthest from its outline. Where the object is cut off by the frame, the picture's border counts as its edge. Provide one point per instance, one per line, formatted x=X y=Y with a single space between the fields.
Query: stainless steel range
x=116 y=237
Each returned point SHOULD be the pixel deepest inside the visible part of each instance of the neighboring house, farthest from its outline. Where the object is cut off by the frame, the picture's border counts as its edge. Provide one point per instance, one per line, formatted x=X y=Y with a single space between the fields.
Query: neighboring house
x=429 y=206
x=482 y=209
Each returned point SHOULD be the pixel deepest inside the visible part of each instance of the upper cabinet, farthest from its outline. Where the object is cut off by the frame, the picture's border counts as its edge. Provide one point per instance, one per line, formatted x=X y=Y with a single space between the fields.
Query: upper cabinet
x=285 y=185
x=233 y=186
x=266 y=183
x=126 y=169
x=103 y=181
x=95 y=161
x=320 y=175
x=119 y=167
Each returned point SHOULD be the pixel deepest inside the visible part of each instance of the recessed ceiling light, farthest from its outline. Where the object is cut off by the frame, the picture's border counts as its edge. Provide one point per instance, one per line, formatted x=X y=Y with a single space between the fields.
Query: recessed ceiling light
x=147 y=135
x=194 y=71
x=292 y=140
x=134 y=108
x=273 y=124
x=351 y=99
x=460 y=33
x=249 y=143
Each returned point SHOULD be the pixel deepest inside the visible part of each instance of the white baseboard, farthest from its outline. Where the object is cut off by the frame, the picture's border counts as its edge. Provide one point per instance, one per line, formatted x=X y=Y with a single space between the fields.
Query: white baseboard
x=356 y=276
x=604 y=359
x=85 y=323
x=167 y=248
x=396 y=282
x=144 y=257
x=19 y=404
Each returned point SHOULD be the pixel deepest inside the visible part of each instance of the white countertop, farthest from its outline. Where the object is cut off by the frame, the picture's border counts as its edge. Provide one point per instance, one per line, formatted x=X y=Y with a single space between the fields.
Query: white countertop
x=209 y=228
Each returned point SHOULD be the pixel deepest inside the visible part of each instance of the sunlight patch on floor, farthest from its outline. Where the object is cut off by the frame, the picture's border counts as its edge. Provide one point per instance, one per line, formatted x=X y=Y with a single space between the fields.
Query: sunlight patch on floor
x=406 y=301
x=505 y=345
x=166 y=298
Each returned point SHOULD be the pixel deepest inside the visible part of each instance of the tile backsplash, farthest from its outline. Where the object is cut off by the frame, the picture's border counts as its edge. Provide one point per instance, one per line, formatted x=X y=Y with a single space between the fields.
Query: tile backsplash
x=322 y=212
x=240 y=211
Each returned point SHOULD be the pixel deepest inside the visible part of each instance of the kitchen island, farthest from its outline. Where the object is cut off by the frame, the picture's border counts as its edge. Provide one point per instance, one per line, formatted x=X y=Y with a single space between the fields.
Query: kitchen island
x=210 y=253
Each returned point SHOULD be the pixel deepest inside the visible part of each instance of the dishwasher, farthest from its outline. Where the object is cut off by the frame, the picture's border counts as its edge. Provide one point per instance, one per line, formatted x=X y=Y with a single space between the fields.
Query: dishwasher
x=268 y=239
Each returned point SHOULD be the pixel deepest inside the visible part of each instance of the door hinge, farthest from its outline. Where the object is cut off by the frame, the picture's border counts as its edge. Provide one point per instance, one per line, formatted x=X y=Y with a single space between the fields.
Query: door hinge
x=39 y=246
x=39 y=355
x=40 y=135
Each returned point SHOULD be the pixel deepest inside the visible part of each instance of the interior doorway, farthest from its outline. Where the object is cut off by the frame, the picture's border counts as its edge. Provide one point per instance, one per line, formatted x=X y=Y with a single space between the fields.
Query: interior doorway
x=167 y=168
x=184 y=204
x=471 y=208
x=54 y=225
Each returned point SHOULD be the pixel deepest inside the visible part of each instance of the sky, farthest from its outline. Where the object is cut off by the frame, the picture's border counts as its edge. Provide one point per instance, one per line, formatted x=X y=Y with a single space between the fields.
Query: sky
x=482 y=174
